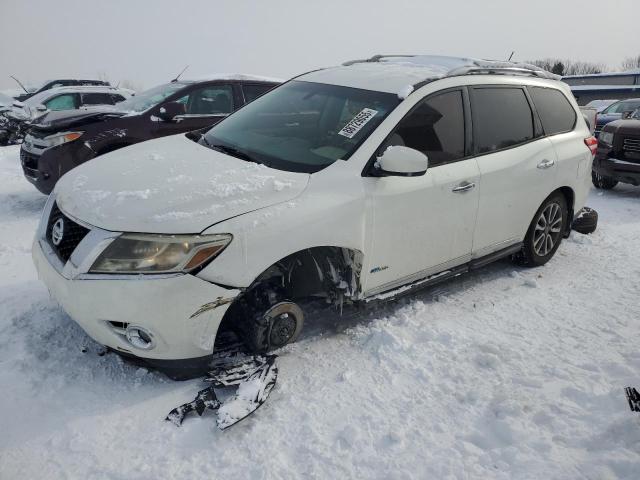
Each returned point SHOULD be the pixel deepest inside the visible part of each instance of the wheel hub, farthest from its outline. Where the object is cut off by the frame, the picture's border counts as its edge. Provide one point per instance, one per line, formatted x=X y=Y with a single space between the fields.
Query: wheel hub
x=285 y=323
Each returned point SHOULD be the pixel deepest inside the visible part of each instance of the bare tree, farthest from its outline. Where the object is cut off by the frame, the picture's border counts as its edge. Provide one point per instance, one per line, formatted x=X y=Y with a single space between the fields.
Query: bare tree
x=583 y=68
x=631 y=63
x=568 y=67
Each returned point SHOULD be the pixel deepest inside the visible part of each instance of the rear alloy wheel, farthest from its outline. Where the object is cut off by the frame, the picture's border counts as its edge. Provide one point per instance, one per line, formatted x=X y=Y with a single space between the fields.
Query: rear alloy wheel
x=545 y=232
x=601 y=182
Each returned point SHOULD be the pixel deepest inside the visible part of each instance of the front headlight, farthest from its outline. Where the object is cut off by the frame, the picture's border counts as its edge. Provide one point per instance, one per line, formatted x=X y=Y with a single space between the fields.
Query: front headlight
x=606 y=138
x=139 y=253
x=60 y=138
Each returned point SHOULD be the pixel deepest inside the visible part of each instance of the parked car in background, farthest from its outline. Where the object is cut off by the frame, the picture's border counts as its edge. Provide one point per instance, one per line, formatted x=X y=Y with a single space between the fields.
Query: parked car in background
x=61 y=82
x=14 y=121
x=615 y=112
x=600 y=105
x=5 y=101
x=351 y=184
x=60 y=141
x=618 y=154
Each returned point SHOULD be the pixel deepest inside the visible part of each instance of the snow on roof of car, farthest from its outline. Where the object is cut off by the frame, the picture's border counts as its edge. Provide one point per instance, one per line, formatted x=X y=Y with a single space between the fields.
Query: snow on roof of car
x=395 y=73
x=46 y=94
x=232 y=76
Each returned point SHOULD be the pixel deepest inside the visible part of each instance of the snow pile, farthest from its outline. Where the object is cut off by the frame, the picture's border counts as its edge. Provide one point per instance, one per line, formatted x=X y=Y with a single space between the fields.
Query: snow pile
x=481 y=377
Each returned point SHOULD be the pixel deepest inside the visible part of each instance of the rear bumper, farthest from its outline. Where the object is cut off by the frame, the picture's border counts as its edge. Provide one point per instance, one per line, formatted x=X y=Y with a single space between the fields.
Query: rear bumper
x=176 y=310
x=620 y=170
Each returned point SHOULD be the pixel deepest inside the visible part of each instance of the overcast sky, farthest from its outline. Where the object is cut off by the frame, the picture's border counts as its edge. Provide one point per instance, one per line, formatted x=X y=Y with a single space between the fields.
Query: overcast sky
x=148 y=42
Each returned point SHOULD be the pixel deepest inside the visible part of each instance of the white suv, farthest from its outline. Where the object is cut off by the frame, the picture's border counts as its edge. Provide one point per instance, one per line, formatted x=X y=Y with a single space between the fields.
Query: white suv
x=353 y=183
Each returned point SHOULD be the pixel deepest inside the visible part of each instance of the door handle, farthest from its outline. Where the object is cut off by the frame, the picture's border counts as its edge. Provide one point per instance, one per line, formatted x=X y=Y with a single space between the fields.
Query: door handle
x=463 y=187
x=546 y=164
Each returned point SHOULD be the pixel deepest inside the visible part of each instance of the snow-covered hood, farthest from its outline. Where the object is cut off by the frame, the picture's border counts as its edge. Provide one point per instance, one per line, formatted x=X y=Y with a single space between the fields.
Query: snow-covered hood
x=171 y=185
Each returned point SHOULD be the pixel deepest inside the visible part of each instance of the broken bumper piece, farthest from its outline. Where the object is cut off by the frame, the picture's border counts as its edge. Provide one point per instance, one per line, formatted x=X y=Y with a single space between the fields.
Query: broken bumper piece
x=253 y=375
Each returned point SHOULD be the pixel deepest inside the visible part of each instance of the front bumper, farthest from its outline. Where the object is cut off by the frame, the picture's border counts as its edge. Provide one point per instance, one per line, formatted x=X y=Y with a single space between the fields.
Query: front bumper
x=181 y=312
x=620 y=170
x=43 y=167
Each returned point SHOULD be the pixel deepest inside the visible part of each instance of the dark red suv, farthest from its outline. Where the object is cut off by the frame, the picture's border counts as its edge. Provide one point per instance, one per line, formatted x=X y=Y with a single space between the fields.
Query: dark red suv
x=61 y=141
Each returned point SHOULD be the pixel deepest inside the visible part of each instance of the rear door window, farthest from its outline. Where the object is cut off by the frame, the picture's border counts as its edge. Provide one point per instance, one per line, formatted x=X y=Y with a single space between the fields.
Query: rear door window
x=555 y=111
x=502 y=118
x=213 y=100
x=62 y=102
x=96 y=99
x=251 y=92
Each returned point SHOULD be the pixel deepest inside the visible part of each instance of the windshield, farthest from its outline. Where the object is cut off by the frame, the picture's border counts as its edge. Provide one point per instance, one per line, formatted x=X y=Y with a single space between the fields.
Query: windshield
x=149 y=98
x=624 y=106
x=302 y=126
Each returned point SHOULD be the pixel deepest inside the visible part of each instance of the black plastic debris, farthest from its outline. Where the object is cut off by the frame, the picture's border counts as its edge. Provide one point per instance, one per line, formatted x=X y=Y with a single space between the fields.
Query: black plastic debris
x=206 y=399
x=633 y=396
x=254 y=377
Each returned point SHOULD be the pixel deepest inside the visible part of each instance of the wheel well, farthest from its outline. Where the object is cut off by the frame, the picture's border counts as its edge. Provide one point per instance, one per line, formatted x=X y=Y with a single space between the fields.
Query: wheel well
x=326 y=272
x=568 y=196
x=331 y=271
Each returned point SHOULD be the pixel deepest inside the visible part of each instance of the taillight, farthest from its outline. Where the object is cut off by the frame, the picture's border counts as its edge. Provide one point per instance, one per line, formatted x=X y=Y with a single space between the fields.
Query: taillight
x=592 y=143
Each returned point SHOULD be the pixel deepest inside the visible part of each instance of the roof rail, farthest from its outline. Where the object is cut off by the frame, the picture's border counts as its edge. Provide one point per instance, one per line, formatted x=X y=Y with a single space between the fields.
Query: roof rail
x=373 y=59
x=498 y=71
x=442 y=66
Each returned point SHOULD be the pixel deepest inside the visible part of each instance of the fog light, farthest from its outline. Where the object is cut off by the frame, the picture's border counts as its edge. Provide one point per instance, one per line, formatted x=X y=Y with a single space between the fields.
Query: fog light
x=140 y=338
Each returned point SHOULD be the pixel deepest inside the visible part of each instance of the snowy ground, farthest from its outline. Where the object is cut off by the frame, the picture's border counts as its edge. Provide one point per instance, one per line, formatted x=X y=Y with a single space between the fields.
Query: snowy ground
x=505 y=373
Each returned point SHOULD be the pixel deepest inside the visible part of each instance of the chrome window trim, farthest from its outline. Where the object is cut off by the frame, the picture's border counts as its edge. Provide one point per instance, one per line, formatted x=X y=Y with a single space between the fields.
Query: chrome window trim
x=200 y=115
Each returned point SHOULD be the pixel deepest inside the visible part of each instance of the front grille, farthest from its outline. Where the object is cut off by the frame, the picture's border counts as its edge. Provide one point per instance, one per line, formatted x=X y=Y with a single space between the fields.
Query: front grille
x=29 y=160
x=631 y=149
x=72 y=234
x=631 y=145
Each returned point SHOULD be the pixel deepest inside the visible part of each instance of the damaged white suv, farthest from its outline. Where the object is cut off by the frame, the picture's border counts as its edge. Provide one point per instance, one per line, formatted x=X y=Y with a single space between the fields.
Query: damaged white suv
x=353 y=183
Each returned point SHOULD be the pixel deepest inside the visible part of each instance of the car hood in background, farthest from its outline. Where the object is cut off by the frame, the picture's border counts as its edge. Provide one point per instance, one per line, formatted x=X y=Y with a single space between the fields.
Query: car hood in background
x=628 y=126
x=604 y=118
x=171 y=185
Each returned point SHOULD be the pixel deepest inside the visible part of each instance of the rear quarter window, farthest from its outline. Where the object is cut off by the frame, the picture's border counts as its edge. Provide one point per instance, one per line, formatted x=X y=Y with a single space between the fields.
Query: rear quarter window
x=502 y=118
x=555 y=112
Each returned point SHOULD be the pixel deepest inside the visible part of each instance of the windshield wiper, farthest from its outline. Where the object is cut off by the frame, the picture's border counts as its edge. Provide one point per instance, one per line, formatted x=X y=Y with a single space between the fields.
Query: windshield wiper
x=234 y=152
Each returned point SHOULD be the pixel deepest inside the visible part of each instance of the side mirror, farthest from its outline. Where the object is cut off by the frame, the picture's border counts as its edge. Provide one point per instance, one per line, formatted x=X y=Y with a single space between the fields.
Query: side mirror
x=41 y=108
x=627 y=114
x=170 y=110
x=401 y=161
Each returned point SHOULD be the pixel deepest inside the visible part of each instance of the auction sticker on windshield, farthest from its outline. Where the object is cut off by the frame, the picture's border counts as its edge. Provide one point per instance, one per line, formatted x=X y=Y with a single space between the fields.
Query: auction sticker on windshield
x=357 y=122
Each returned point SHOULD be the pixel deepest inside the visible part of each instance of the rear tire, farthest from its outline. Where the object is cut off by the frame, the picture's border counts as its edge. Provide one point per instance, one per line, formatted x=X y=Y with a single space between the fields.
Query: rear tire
x=545 y=232
x=602 y=182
